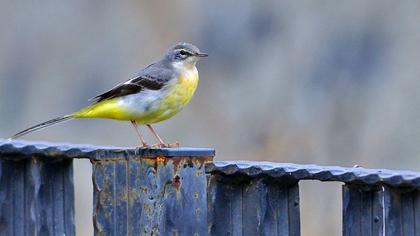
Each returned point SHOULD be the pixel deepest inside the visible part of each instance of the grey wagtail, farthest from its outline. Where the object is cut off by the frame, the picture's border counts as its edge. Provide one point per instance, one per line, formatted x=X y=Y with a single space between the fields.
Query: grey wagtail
x=157 y=93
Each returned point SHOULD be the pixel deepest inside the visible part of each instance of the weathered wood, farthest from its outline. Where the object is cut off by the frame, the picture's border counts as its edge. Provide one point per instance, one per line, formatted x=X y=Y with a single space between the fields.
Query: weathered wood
x=36 y=197
x=224 y=206
x=150 y=195
x=362 y=210
x=257 y=206
x=380 y=211
x=401 y=208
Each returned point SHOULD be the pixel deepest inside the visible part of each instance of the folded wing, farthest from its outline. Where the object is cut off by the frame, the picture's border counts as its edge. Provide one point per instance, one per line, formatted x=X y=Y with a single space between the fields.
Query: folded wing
x=153 y=77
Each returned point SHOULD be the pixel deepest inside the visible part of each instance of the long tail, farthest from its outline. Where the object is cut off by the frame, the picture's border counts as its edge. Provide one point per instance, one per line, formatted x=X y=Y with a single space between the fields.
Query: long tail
x=42 y=125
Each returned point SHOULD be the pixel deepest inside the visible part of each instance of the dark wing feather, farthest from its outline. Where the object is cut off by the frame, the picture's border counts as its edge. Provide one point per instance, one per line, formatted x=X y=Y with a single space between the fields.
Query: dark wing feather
x=153 y=77
x=118 y=91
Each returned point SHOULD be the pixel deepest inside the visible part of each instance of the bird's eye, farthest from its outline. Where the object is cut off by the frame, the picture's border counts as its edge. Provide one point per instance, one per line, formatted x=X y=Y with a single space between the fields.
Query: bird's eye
x=183 y=52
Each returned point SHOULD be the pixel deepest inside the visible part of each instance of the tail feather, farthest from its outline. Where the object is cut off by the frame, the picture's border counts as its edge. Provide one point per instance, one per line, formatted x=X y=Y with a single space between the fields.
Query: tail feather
x=42 y=125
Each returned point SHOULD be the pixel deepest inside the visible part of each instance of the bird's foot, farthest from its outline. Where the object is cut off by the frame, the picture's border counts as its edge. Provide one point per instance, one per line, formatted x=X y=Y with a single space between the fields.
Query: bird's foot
x=144 y=145
x=173 y=145
x=156 y=145
x=166 y=145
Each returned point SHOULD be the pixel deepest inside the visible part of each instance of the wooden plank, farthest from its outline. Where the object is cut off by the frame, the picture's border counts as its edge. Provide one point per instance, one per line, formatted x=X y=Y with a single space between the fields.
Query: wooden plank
x=53 y=196
x=224 y=207
x=401 y=211
x=407 y=213
x=236 y=193
x=11 y=182
x=68 y=198
x=417 y=213
x=385 y=211
x=393 y=224
x=36 y=197
x=256 y=206
x=294 y=209
x=362 y=211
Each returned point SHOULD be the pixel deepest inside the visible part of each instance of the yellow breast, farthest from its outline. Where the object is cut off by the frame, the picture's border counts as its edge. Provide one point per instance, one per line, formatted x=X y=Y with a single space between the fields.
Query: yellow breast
x=181 y=93
x=178 y=96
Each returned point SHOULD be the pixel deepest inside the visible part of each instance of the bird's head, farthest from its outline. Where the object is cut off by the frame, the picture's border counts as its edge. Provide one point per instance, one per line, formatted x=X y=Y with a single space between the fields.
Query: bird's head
x=184 y=55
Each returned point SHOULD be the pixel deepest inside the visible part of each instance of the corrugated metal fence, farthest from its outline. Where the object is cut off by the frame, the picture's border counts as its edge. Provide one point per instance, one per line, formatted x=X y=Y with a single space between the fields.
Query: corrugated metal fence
x=184 y=192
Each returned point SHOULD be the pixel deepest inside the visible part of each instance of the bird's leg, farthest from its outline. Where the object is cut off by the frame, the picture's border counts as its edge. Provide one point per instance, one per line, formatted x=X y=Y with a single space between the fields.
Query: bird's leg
x=161 y=143
x=159 y=139
x=136 y=127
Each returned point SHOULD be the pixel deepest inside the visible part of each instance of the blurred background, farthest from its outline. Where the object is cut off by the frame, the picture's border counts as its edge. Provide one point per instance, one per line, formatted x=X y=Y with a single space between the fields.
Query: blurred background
x=325 y=82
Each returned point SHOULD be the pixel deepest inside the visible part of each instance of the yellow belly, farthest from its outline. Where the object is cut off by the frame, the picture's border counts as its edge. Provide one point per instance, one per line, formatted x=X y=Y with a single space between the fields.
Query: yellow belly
x=177 y=96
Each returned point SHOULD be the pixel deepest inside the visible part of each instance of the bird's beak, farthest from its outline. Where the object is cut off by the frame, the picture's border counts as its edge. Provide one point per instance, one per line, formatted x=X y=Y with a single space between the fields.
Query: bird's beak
x=202 y=54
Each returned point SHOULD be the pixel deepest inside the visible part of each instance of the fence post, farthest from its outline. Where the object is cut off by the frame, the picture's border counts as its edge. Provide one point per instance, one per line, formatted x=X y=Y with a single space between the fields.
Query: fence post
x=362 y=210
x=252 y=206
x=402 y=211
x=151 y=192
x=36 y=196
x=380 y=210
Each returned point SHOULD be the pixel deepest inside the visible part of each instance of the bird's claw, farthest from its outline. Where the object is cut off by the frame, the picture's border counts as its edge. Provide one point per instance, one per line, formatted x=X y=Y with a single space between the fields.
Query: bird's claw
x=173 y=145
x=144 y=145
x=166 y=145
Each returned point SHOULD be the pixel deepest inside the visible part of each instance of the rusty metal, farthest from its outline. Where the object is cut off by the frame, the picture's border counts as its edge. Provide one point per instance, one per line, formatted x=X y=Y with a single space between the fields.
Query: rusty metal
x=150 y=196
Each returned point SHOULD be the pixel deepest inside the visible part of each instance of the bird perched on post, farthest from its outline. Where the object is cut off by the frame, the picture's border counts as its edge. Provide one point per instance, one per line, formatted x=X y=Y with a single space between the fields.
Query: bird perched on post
x=157 y=93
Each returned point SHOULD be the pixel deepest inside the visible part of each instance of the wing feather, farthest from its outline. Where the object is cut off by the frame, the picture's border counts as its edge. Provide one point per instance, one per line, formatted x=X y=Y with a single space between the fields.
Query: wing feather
x=153 y=77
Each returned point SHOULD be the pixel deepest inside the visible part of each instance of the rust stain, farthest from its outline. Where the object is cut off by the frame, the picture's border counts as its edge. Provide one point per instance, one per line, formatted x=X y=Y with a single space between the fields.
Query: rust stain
x=189 y=162
x=161 y=160
x=177 y=182
x=147 y=209
x=177 y=162
x=150 y=161
x=143 y=190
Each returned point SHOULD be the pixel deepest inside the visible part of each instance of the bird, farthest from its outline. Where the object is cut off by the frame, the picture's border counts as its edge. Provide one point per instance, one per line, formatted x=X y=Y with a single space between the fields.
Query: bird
x=156 y=93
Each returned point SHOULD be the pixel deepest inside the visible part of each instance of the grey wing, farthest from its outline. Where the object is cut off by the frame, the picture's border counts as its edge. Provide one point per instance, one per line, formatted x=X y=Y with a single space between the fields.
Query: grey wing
x=153 y=77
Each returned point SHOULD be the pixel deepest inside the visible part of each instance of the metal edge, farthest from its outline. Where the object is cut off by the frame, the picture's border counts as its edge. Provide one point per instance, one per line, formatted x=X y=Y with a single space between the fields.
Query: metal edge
x=19 y=149
x=355 y=175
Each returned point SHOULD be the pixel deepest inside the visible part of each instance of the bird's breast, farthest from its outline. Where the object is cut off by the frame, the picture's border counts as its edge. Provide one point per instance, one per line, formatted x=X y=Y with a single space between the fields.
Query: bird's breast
x=177 y=95
x=181 y=92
